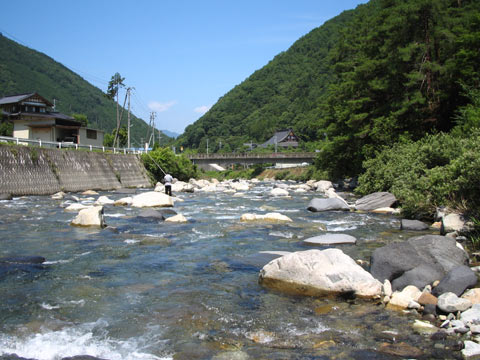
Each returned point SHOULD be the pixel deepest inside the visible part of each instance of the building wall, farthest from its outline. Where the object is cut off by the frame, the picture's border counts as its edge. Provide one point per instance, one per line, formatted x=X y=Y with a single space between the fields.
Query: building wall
x=21 y=130
x=44 y=134
x=26 y=170
x=84 y=140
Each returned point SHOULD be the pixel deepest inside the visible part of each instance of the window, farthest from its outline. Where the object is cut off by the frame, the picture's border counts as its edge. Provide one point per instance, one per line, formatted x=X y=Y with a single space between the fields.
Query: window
x=91 y=134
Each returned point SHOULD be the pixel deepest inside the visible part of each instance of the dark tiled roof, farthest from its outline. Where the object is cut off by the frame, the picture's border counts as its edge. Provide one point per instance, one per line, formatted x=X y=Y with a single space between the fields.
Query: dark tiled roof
x=278 y=137
x=15 y=98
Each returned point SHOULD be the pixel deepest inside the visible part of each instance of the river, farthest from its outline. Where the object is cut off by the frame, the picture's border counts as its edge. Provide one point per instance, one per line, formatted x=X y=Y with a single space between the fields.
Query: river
x=149 y=290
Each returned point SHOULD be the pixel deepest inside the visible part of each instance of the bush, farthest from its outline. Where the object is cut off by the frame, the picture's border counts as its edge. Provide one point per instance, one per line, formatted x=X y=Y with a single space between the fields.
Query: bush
x=179 y=166
x=440 y=169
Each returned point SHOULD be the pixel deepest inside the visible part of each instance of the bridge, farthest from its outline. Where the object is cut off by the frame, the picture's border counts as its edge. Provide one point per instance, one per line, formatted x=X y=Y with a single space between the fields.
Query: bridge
x=246 y=159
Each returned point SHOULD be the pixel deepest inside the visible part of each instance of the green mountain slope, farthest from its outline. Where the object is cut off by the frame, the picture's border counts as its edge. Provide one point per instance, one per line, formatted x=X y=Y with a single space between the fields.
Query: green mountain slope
x=284 y=93
x=386 y=71
x=23 y=70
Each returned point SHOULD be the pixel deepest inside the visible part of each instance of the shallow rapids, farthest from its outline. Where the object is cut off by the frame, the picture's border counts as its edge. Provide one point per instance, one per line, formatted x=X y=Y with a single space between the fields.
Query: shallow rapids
x=149 y=290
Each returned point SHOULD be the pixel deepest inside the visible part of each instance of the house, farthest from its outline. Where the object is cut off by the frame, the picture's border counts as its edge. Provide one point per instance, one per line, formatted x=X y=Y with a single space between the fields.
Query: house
x=33 y=118
x=283 y=138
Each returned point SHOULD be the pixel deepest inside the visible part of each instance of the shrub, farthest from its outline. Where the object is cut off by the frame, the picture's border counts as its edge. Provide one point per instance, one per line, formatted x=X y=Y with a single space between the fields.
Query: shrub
x=440 y=169
x=178 y=166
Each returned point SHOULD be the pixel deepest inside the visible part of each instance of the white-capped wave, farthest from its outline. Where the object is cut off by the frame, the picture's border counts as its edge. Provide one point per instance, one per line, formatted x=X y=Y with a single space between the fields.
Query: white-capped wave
x=86 y=339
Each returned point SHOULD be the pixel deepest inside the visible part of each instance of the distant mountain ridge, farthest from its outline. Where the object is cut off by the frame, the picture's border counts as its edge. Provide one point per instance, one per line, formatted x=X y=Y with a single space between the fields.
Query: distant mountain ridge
x=23 y=70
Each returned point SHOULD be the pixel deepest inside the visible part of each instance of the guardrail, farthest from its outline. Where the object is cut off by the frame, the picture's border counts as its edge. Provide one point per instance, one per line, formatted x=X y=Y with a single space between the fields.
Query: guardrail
x=68 y=145
x=273 y=156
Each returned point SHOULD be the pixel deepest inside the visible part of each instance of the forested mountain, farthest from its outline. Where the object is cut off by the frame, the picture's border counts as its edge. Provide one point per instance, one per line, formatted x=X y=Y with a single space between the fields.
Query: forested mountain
x=23 y=70
x=388 y=70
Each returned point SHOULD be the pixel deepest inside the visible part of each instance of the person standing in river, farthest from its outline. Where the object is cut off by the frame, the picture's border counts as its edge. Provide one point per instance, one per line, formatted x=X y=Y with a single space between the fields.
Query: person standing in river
x=167 y=180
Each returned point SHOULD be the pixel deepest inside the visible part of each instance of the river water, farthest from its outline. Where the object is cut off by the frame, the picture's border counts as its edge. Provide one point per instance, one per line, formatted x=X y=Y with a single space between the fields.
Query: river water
x=154 y=290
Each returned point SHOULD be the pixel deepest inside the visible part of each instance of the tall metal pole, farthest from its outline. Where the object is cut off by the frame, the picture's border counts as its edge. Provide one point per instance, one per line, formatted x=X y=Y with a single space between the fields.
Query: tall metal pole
x=128 y=119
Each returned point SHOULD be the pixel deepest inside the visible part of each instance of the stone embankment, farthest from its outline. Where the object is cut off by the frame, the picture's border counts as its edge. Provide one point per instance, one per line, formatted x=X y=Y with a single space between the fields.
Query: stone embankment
x=36 y=171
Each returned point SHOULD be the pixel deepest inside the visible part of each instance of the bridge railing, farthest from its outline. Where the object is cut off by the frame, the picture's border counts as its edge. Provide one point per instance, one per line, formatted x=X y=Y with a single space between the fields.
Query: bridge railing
x=66 y=145
x=273 y=156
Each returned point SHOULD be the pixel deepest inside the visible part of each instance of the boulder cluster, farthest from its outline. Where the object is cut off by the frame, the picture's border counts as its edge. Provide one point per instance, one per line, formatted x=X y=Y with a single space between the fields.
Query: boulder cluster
x=427 y=274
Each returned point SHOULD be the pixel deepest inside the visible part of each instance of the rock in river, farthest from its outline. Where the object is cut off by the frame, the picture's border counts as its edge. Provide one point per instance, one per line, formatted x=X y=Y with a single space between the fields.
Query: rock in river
x=331 y=239
x=152 y=199
x=319 y=272
x=418 y=261
x=456 y=281
x=415 y=225
x=329 y=204
x=90 y=217
x=375 y=201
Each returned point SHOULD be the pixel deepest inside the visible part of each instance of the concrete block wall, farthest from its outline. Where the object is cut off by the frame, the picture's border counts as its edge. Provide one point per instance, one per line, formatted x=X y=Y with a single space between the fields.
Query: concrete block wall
x=36 y=171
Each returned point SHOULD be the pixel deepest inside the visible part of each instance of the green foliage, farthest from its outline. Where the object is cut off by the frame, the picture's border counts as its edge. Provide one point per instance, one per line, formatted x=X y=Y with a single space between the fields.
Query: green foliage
x=436 y=170
x=398 y=66
x=109 y=139
x=24 y=70
x=386 y=71
x=81 y=118
x=6 y=128
x=179 y=166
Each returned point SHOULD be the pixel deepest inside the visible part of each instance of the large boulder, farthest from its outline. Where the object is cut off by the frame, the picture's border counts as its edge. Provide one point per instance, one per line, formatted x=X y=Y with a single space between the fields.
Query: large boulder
x=375 y=201
x=319 y=272
x=330 y=204
x=456 y=281
x=433 y=256
x=331 y=239
x=152 y=199
x=90 y=217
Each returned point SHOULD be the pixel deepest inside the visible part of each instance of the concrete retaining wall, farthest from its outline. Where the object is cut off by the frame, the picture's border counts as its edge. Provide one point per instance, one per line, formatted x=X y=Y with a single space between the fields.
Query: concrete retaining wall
x=36 y=171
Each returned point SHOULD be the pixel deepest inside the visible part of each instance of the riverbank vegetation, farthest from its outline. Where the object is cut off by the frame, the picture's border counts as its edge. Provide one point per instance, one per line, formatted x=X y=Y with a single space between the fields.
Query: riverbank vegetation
x=387 y=92
x=162 y=160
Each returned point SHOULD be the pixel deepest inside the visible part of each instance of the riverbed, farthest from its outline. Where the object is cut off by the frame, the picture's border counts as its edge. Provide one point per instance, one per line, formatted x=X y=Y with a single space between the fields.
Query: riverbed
x=142 y=289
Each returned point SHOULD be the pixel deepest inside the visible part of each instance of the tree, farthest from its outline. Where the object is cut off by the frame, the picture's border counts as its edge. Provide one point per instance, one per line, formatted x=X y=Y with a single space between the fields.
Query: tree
x=114 y=86
x=122 y=138
x=81 y=118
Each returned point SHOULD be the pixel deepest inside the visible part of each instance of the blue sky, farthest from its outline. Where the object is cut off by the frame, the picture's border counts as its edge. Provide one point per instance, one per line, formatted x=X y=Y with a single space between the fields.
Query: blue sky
x=180 y=56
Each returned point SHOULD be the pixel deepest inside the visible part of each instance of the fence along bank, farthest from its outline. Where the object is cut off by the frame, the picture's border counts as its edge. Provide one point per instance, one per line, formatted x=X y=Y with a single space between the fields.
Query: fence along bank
x=26 y=170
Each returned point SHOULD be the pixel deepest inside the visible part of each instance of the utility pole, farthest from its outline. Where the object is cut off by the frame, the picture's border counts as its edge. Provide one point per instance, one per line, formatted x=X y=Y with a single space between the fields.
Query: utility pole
x=207 y=146
x=153 y=115
x=128 y=118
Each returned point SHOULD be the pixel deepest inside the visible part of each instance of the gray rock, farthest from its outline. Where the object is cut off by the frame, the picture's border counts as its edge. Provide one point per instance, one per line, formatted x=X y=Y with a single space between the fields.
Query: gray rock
x=375 y=201
x=331 y=239
x=471 y=350
x=415 y=225
x=452 y=222
x=439 y=253
x=451 y=303
x=151 y=214
x=330 y=204
x=472 y=315
x=456 y=281
x=418 y=276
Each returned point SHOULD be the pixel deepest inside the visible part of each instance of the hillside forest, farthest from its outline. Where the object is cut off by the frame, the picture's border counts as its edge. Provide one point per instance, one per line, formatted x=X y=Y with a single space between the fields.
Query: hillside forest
x=388 y=91
x=24 y=70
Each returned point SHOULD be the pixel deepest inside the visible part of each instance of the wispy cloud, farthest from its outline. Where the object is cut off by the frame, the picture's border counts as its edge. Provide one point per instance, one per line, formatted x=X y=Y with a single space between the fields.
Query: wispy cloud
x=202 y=109
x=161 y=107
